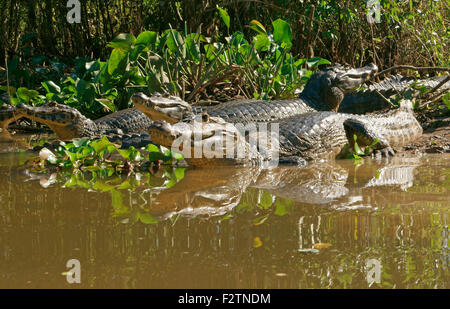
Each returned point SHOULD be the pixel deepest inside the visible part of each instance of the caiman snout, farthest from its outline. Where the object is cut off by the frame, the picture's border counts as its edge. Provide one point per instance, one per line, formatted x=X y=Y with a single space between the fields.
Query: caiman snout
x=158 y=106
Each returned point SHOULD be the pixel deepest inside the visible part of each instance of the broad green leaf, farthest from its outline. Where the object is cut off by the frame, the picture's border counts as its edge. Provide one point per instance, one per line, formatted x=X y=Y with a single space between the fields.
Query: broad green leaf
x=261 y=42
x=146 y=38
x=179 y=173
x=224 y=15
x=174 y=40
x=357 y=148
x=51 y=87
x=101 y=144
x=258 y=27
x=152 y=148
x=123 y=41
x=316 y=61
x=117 y=61
x=107 y=104
x=282 y=32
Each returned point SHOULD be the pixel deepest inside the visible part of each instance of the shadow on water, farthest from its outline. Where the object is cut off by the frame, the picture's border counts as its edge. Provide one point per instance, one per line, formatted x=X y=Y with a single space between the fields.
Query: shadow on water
x=327 y=225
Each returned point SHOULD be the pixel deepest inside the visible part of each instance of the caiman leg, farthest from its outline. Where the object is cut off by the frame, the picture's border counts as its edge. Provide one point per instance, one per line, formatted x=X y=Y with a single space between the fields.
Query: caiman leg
x=366 y=136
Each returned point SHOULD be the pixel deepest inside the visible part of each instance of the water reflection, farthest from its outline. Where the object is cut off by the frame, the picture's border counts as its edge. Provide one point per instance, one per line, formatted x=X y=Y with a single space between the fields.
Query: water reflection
x=329 y=225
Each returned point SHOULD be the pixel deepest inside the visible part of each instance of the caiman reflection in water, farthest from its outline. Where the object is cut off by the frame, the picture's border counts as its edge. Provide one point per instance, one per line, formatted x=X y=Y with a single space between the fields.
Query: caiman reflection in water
x=327 y=225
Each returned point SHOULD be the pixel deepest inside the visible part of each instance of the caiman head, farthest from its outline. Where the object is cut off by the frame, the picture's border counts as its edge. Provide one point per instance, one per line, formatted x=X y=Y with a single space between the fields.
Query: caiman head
x=67 y=122
x=326 y=89
x=161 y=107
x=204 y=141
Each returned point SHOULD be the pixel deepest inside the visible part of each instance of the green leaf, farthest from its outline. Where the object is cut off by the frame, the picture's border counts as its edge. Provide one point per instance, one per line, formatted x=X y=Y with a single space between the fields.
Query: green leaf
x=123 y=41
x=117 y=61
x=146 y=38
x=174 y=40
x=282 y=32
x=51 y=87
x=101 y=144
x=224 y=15
x=316 y=61
x=152 y=148
x=261 y=42
x=357 y=148
x=258 y=27
x=107 y=104
x=26 y=94
x=179 y=173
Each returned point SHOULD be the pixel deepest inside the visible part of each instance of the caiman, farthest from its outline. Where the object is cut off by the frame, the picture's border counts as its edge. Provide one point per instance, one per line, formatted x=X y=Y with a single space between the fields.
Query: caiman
x=324 y=91
x=68 y=123
x=206 y=140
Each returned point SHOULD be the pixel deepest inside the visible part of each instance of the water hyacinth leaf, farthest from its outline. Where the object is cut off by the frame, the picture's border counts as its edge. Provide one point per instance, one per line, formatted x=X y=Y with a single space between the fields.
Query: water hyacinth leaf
x=174 y=40
x=316 y=61
x=107 y=104
x=152 y=148
x=258 y=27
x=224 y=15
x=192 y=45
x=101 y=144
x=117 y=61
x=124 y=185
x=122 y=41
x=51 y=87
x=261 y=42
x=146 y=38
x=26 y=94
x=125 y=153
x=282 y=33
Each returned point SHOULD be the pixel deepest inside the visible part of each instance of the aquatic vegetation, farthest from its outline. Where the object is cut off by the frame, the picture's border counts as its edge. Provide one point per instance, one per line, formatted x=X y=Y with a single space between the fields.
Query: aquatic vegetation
x=101 y=155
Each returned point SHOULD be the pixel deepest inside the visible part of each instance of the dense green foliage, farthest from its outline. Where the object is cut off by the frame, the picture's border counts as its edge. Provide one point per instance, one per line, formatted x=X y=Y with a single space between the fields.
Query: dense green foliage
x=411 y=31
x=188 y=65
x=201 y=51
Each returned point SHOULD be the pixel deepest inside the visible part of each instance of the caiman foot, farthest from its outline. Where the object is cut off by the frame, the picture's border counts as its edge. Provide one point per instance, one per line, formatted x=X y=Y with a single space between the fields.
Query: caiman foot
x=383 y=152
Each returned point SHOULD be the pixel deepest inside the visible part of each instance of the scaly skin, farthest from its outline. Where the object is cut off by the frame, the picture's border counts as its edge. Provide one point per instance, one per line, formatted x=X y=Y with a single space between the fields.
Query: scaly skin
x=317 y=135
x=68 y=123
x=324 y=91
x=368 y=99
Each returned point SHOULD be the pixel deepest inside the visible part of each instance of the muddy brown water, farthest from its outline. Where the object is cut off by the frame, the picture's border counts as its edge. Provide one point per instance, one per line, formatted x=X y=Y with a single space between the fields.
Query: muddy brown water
x=377 y=224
